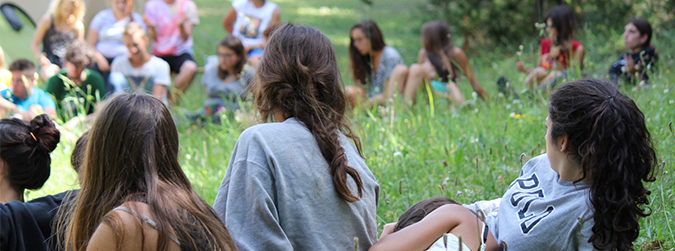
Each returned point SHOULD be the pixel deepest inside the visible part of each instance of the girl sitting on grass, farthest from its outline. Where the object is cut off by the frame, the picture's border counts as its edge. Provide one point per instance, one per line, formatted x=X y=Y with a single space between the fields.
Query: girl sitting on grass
x=226 y=80
x=134 y=194
x=299 y=183
x=440 y=60
x=557 y=52
x=378 y=70
x=61 y=25
x=586 y=193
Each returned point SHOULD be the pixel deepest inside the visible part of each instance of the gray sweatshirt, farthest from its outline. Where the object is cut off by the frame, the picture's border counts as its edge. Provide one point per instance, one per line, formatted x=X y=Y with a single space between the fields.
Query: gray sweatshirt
x=278 y=194
x=540 y=212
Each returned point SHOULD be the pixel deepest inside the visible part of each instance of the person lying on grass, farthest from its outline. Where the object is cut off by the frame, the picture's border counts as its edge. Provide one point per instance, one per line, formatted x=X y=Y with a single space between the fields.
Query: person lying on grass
x=598 y=149
x=456 y=228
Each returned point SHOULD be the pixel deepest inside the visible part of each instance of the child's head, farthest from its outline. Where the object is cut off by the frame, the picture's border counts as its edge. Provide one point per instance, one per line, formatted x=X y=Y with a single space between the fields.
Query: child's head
x=637 y=34
x=560 y=23
x=70 y=10
x=606 y=135
x=79 y=56
x=136 y=41
x=24 y=151
x=436 y=36
x=298 y=77
x=23 y=77
x=364 y=38
x=420 y=210
x=231 y=56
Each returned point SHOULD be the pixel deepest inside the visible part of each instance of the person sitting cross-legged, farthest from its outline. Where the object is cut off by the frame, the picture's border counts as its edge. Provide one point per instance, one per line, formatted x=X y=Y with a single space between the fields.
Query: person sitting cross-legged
x=138 y=70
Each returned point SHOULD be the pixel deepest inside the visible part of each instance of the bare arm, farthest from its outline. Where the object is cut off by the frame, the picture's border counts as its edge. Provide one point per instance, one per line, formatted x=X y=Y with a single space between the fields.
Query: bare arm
x=421 y=235
x=79 y=31
x=151 y=27
x=158 y=91
x=40 y=31
x=228 y=20
x=579 y=54
x=185 y=29
x=421 y=56
x=92 y=38
x=463 y=61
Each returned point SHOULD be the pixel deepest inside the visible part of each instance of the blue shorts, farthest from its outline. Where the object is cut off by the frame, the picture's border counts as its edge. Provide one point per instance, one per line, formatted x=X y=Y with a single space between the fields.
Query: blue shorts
x=439 y=86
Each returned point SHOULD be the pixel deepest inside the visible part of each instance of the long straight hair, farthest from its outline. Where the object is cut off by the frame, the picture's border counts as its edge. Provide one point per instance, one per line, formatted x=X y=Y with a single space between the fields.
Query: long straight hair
x=436 y=39
x=299 y=77
x=361 y=65
x=132 y=155
x=609 y=139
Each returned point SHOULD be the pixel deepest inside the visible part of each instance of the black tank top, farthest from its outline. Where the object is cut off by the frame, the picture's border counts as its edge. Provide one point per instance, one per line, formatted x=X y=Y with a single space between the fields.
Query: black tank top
x=54 y=44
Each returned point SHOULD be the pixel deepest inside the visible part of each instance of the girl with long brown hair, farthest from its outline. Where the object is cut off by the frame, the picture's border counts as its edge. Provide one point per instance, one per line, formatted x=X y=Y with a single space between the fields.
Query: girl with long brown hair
x=134 y=194
x=300 y=182
x=440 y=60
x=378 y=70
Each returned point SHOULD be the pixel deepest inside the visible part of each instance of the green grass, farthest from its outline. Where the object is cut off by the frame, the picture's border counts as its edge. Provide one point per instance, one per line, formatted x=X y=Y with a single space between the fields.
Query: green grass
x=470 y=154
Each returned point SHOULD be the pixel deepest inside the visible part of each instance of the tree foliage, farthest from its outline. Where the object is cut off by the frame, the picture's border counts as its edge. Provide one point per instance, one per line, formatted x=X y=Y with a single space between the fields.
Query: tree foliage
x=499 y=22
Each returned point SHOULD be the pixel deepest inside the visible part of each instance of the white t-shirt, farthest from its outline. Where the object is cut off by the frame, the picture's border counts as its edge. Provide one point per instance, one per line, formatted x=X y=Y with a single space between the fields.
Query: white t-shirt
x=252 y=21
x=155 y=71
x=111 y=32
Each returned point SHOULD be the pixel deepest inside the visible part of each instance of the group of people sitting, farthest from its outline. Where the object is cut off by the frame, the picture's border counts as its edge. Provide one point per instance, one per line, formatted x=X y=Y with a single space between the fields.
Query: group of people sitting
x=77 y=77
x=300 y=182
x=379 y=72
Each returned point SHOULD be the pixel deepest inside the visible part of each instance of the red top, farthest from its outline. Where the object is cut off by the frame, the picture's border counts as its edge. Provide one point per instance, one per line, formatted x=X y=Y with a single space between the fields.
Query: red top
x=545 y=47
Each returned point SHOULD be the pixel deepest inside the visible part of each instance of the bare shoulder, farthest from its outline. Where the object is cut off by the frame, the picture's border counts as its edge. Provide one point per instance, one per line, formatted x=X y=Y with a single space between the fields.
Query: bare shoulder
x=127 y=227
x=458 y=53
x=422 y=53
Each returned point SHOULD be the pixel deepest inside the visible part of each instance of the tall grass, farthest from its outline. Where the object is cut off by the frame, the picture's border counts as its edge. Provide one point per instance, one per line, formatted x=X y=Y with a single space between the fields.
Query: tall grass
x=471 y=153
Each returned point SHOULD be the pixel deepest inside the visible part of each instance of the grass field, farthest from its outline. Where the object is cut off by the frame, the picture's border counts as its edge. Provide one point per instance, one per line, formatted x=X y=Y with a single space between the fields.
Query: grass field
x=469 y=154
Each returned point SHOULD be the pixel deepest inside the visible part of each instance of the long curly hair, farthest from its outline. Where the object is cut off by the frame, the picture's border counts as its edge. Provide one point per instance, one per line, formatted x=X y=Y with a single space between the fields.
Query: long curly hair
x=609 y=139
x=361 y=65
x=299 y=78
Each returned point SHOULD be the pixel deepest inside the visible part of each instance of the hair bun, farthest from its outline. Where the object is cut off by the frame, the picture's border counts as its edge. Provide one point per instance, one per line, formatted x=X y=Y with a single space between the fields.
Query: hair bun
x=45 y=133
